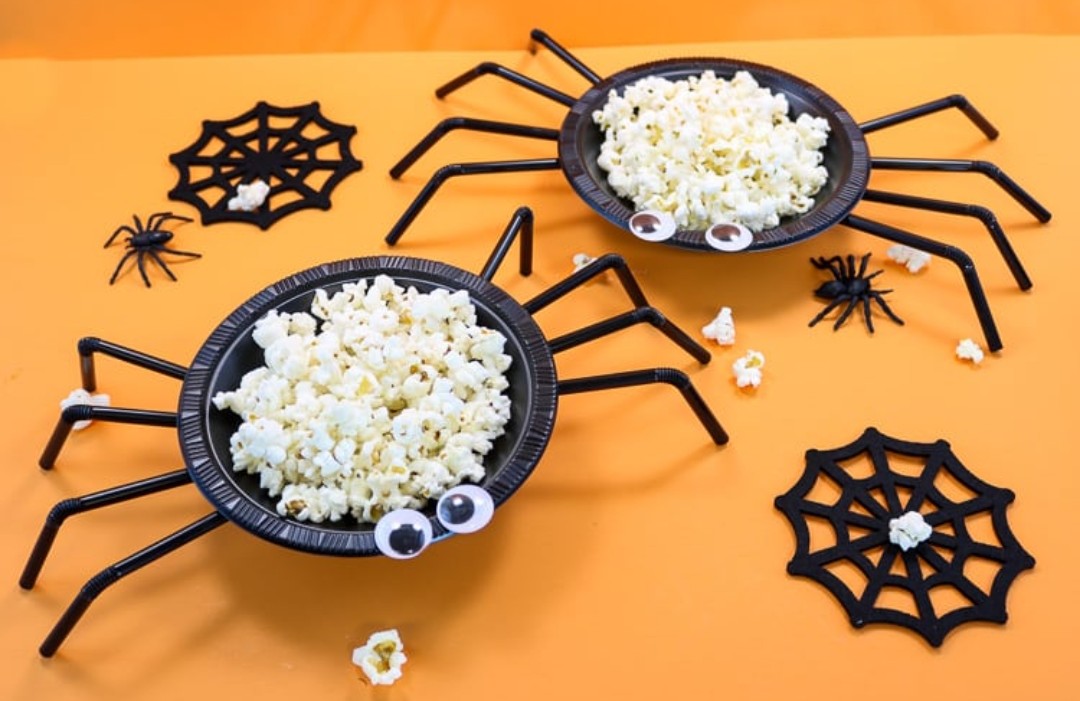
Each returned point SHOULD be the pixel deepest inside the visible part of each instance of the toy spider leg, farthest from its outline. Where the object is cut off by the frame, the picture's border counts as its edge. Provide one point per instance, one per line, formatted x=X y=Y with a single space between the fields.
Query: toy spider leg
x=139 y=254
x=85 y=412
x=152 y=223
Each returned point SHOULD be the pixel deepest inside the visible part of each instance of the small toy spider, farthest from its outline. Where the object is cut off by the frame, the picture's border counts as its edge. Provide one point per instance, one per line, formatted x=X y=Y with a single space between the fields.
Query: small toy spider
x=851 y=286
x=149 y=241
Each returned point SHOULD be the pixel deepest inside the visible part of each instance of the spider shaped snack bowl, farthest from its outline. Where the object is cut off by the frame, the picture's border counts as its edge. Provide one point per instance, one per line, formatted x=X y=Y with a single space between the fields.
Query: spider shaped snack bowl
x=230 y=351
x=846 y=158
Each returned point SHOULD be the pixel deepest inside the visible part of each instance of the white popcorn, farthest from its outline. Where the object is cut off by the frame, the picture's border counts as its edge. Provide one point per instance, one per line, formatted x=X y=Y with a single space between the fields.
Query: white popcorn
x=381 y=657
x=393 y=398
x=249 y=197
x=911 y=258
x=81 y=396
x=968 y=349
x=707 y=150
x=747 y=369
x=909 y=530
x=580 y=260
x=722 y=328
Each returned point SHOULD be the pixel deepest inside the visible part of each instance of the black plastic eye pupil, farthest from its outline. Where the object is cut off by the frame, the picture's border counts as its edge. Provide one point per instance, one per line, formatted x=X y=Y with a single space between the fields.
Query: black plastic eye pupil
x=456 y=509
x=726 y=231
x=465 y=509
x=646 y=223
x=407 y=539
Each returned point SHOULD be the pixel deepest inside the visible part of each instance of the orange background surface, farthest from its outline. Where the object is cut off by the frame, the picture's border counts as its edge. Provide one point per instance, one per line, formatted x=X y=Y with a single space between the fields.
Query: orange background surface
x=639 y=561
x=113 y=28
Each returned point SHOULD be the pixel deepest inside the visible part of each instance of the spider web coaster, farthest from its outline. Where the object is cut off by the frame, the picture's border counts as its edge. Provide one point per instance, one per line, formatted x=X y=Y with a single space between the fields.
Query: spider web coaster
x=297 y=151
x=841 y=507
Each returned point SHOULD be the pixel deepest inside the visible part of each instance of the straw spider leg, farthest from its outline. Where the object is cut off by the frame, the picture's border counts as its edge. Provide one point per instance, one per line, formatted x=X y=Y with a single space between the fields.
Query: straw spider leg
x=522 y=220
x=521 y=224
x=88 y=347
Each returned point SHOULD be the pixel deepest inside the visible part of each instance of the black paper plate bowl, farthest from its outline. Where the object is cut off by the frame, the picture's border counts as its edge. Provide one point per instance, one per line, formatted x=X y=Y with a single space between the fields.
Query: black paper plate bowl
x=230 y=352
x=845 y=155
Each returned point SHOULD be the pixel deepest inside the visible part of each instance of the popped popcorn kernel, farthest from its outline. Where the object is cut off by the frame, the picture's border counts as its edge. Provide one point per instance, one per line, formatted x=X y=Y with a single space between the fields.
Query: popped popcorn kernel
x=381 y=657
x=911 y=258
x=747 y=369
x=249 y=197
x=380 y=398
x=580 y=260
x=968 y=349
x=909 y=530
x=722 y=328
x=708 y=150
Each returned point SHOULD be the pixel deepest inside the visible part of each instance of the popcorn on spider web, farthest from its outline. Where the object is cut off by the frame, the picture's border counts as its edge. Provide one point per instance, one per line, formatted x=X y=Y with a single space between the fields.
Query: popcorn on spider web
x=722 y=328
x=249 y=197
x=381 y=657
x=909 y=530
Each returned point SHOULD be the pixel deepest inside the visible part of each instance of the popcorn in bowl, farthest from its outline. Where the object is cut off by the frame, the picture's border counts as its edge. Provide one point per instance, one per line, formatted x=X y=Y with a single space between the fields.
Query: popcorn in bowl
x=380 y=398
x=707 y=151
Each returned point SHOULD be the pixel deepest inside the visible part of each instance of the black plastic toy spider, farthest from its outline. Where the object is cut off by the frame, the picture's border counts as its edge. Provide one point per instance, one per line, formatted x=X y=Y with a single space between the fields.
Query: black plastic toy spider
x=851 y=286
x=846 y=157
x=149 y=241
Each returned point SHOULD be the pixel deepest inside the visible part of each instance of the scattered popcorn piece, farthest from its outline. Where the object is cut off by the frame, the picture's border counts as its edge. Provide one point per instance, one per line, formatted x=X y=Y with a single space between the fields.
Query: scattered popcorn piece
x=381 y=658
x=909 y=530
x=81 y=396
x=249 y=197
x=968 y=349
x=911 y=258
x=722 y=328
x=747 y=369
x=581 y=260
x=708 y=150
x=379 y=398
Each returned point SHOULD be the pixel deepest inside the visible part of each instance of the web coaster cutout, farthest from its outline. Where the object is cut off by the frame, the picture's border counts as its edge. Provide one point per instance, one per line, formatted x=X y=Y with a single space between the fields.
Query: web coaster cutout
x=950 y=498
x=297 y=151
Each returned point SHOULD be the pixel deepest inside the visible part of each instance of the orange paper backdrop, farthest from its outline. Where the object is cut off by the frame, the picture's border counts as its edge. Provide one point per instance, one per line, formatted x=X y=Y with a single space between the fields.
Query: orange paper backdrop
x=639 y=561
x=72 y=29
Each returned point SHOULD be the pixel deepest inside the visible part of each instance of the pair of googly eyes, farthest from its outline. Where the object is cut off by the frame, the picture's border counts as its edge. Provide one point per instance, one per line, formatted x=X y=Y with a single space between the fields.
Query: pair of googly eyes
x=404 y=533
x=652 y=225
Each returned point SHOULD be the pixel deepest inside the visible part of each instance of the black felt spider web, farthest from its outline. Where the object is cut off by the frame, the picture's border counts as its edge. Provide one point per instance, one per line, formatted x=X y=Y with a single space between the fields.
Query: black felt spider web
x=299 y=153
x=860 y=518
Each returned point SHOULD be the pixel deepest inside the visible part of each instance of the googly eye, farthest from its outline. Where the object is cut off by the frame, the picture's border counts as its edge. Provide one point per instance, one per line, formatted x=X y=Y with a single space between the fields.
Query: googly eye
x=652 y=225
x=402 y=534
x=729 y=237
x=465 y=508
